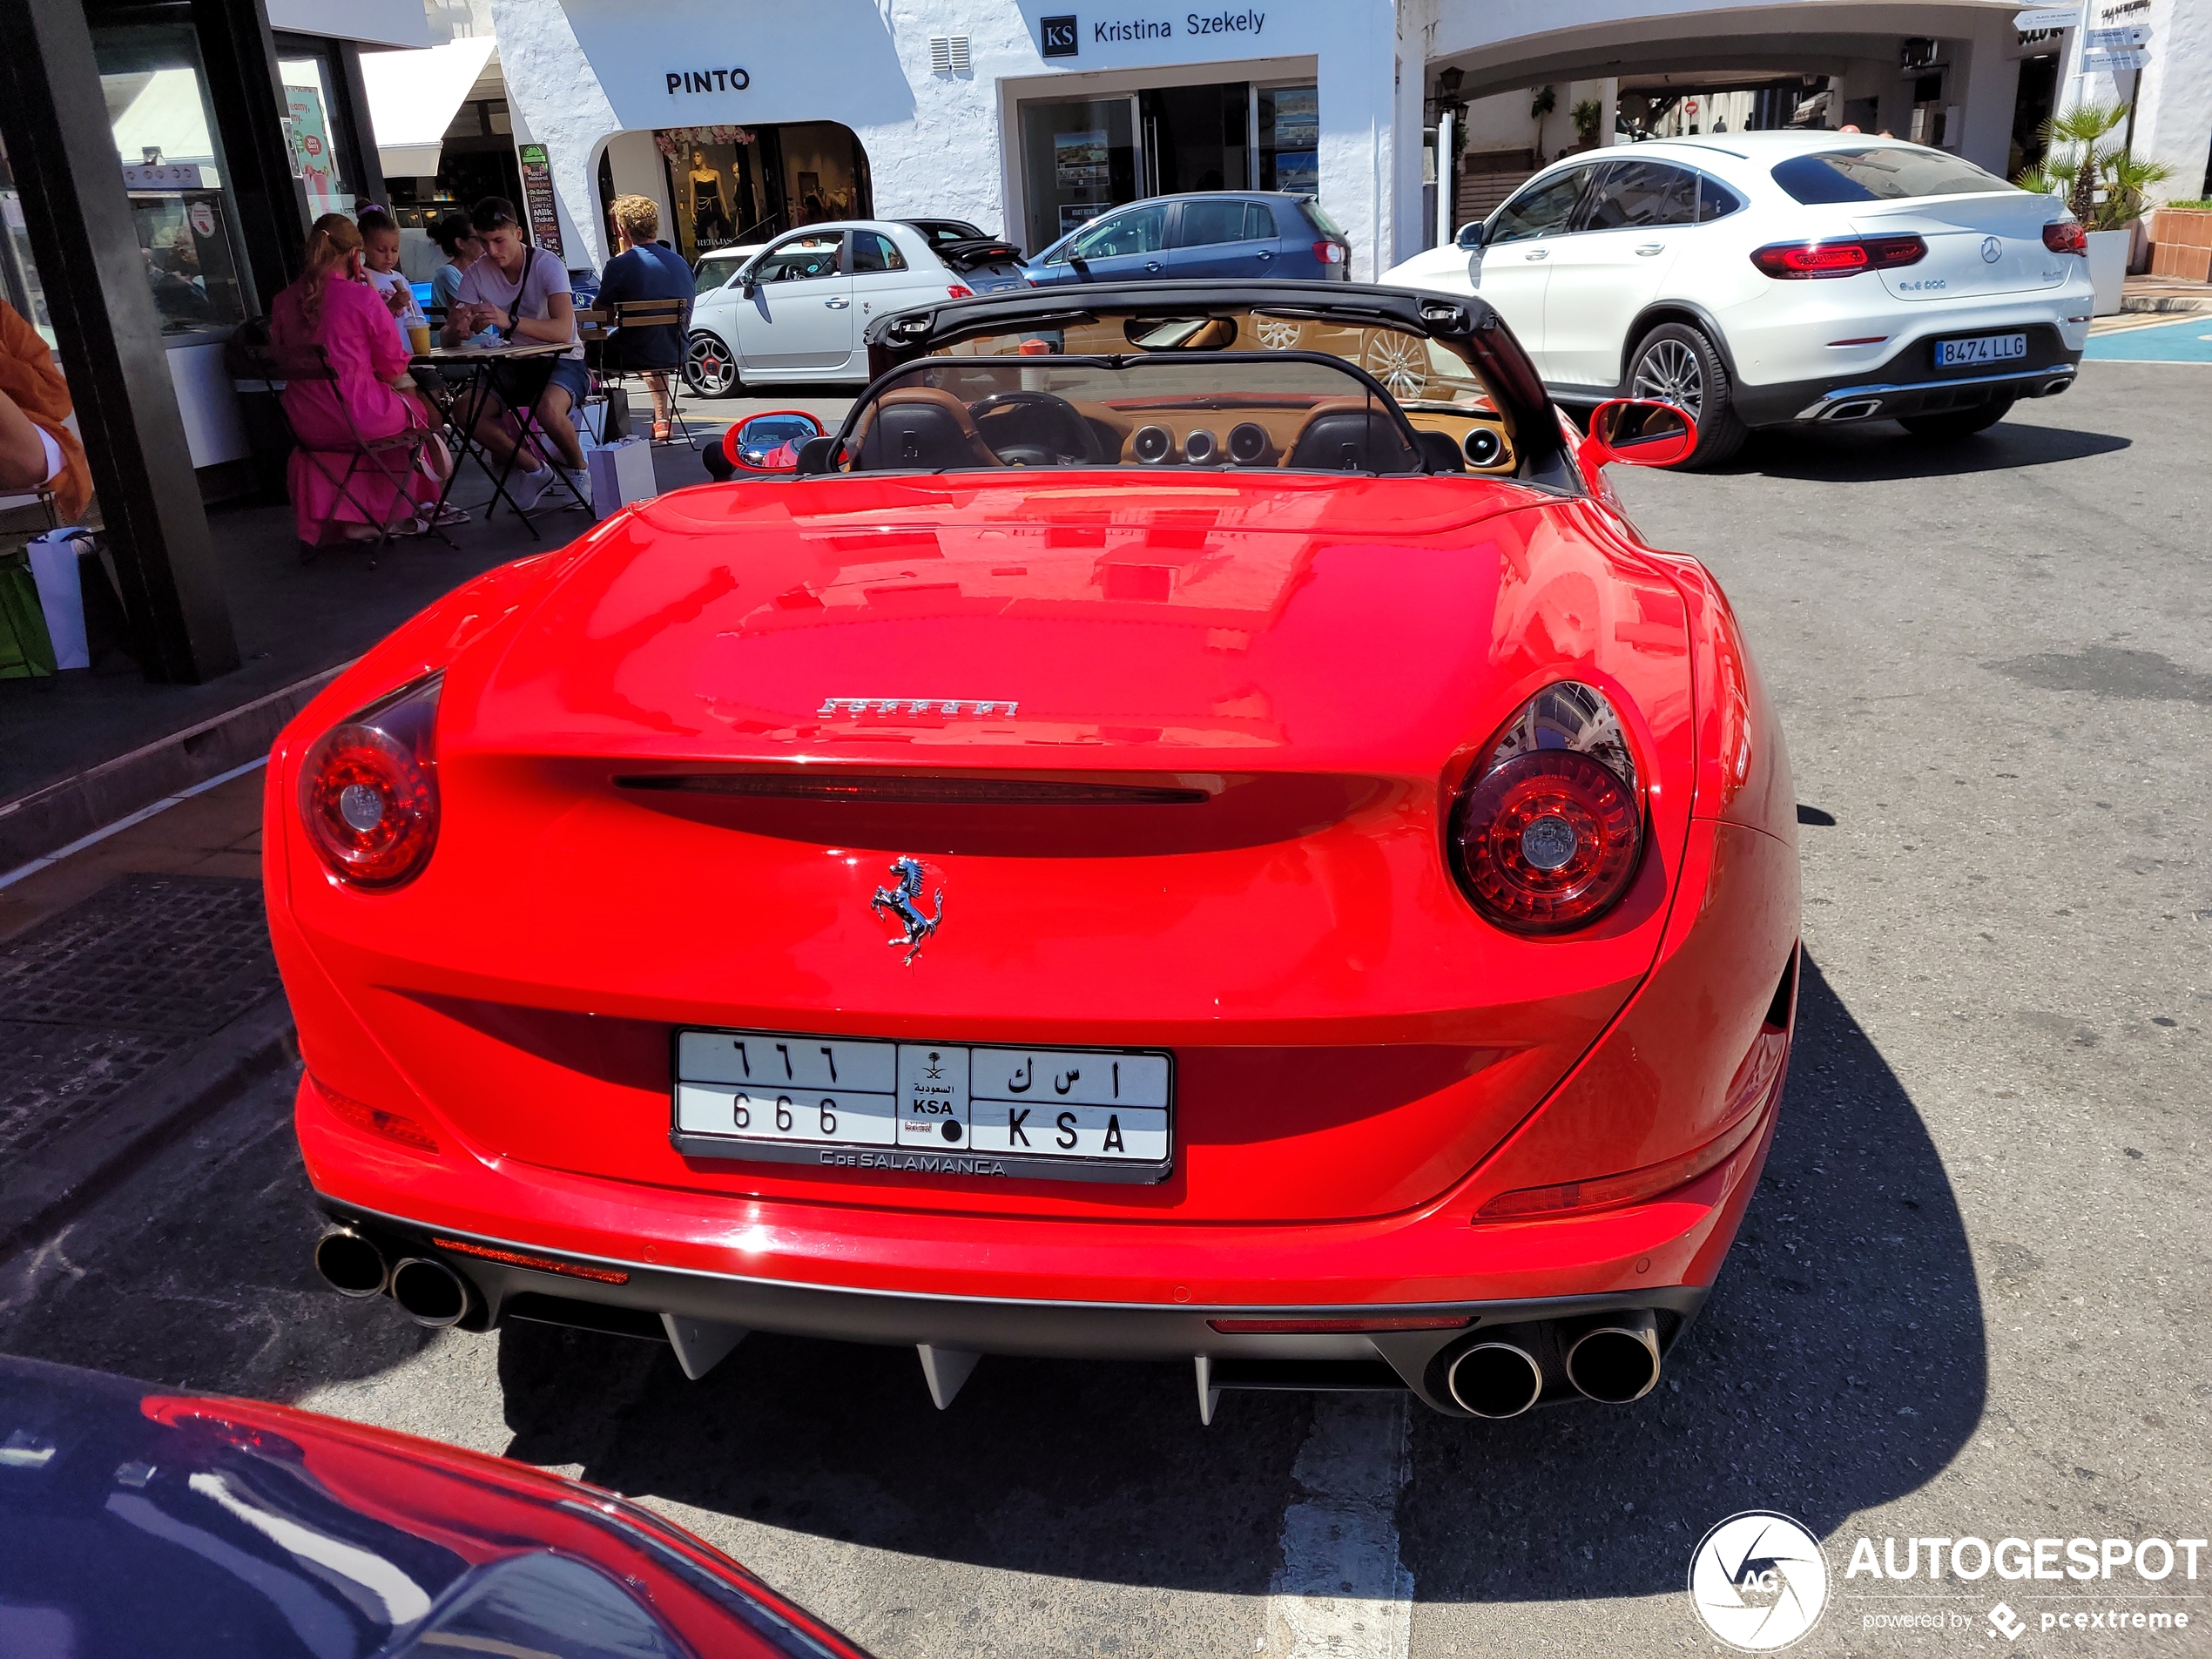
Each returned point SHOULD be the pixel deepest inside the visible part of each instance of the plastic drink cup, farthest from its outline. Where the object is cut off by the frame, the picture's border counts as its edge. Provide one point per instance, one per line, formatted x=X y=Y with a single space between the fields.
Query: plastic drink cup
x=418 y=337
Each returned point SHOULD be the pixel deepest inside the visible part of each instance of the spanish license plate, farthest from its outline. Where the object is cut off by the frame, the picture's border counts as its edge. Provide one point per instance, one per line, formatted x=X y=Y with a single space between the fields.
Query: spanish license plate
x=925 y=1108
x=1982 y=349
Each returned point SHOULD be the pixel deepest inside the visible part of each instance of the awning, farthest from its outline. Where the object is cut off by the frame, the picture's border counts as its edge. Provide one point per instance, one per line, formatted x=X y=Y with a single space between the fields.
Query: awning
x=413 y=96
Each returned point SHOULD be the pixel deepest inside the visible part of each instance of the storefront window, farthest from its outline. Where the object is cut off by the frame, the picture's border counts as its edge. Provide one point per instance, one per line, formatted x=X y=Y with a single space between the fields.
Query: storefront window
x=320 y=153
x=1079 y=158
x=1290 y=139
x=734 y=186
x=19 y=284
x=172 y=170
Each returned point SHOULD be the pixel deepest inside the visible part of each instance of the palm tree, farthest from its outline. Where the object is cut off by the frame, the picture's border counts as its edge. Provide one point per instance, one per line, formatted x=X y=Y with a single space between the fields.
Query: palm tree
x=2103 y=183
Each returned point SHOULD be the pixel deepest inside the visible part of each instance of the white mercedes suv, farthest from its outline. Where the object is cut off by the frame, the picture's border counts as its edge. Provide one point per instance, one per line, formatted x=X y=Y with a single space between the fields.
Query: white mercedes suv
x=1759 y=278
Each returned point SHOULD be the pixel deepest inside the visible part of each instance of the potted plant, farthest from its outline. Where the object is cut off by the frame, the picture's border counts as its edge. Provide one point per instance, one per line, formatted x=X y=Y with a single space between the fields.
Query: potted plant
x=2103 y=183
x=1587 y=115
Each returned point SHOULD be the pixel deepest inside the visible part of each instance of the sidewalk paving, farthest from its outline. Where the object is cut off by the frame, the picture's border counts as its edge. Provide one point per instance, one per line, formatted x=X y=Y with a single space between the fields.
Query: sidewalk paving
x=137 y=995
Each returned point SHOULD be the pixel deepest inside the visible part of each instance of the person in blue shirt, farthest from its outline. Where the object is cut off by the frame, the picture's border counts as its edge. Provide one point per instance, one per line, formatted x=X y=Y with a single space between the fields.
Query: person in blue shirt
x=645 y=270
x=456 y=239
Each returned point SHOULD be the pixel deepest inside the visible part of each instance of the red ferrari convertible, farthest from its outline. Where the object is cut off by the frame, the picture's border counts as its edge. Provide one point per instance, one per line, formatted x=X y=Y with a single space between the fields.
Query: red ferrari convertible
x=1193 y=827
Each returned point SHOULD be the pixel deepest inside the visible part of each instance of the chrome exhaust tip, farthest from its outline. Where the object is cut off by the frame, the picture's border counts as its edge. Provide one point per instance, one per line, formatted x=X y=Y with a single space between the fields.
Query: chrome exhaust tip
x=2053 y=386
x=1495 y=1379
x=1857 y=408
x=1617 y=1359
x=429 y=1292
x=351 y=1264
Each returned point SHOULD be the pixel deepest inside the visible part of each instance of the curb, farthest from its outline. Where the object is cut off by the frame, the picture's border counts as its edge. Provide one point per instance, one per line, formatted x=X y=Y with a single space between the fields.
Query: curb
x=62 y=812
x=46 y=1190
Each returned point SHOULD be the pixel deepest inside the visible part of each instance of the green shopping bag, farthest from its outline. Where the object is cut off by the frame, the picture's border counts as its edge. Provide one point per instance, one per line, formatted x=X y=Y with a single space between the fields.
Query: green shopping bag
x=26 y=649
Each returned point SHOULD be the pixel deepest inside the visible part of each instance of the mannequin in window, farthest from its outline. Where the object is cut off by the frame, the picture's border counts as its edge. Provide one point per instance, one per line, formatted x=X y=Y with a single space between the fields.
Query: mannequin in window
x=709 y=220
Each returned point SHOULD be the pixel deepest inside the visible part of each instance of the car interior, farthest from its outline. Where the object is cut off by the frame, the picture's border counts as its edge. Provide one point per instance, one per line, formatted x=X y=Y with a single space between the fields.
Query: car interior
x=1228 y=390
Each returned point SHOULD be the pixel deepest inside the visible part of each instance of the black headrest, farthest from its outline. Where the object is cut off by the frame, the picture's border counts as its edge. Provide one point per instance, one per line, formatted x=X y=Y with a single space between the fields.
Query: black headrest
x=1354 y=438
x=918 y=428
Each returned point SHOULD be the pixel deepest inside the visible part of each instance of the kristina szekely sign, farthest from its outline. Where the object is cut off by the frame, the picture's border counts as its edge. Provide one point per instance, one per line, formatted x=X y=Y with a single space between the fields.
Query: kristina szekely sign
x=1060 y=36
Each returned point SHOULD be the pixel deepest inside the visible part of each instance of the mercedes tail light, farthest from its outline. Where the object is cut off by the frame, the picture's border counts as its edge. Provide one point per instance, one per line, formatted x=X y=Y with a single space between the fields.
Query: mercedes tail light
x=1547 y=831
x=368 y=789
x=1329 y=252
x=2066 y=236
x=1847 y=257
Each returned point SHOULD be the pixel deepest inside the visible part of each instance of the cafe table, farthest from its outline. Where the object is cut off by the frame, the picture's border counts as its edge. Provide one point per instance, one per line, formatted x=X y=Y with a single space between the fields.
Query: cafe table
x=474 y=370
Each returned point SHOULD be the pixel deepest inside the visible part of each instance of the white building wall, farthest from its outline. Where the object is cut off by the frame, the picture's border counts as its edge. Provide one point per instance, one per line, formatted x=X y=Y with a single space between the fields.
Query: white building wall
x=2174 y=107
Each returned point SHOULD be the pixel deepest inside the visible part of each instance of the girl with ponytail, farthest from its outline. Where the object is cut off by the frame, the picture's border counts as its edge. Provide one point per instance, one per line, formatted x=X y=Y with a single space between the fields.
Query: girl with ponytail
x=332 y=306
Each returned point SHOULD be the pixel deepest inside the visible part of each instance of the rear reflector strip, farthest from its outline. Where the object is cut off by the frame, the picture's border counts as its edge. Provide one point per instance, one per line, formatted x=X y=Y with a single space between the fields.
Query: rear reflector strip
x=538 y=1264
x=1636 y=1186
x=1318 y=1327
x=916 y=790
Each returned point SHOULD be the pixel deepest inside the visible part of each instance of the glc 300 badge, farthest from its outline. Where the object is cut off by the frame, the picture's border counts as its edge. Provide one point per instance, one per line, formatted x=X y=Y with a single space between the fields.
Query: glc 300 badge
x=903 y=901
x=944 y=708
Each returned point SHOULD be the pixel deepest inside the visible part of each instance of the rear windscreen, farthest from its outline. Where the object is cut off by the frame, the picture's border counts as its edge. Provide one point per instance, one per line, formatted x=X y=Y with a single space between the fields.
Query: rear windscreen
x=1322 y=222
x=1879 y=173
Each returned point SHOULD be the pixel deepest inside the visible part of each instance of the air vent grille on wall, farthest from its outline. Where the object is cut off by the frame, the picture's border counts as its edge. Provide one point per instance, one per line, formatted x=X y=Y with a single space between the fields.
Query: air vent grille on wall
x=948 y=54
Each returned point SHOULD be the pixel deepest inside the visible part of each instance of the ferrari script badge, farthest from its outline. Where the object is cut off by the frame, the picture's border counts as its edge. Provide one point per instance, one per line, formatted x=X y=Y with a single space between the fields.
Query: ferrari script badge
x=903 y=901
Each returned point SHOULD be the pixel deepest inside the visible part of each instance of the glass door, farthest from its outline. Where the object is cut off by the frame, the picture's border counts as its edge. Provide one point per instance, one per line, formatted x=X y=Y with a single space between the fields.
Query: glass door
x=1079 y=158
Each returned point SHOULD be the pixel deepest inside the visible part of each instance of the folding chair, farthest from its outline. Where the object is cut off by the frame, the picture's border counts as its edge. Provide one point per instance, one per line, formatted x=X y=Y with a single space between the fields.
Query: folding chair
x=518 y=384
x=395 y=459
x=648 y=313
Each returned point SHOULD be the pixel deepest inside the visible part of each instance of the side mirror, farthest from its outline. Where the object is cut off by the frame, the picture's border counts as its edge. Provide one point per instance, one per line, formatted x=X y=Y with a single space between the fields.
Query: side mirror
x=1639 y=432
x=1471 y=235
x=770 y=443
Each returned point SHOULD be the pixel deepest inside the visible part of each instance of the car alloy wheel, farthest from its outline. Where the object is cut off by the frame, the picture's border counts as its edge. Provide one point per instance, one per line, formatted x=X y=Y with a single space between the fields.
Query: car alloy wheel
x=710 y=369
x=1669 y=371
x=1278 y=334
x=1399 y=362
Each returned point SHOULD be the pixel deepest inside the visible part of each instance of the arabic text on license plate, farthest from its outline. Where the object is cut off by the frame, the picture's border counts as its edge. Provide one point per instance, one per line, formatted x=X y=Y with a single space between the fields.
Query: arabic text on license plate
x=1982 y=349
x=930 y=1107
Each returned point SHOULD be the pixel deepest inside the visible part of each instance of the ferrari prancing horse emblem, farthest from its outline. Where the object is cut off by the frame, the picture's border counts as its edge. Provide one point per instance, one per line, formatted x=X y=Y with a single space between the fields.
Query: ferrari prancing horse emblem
x=903 y=900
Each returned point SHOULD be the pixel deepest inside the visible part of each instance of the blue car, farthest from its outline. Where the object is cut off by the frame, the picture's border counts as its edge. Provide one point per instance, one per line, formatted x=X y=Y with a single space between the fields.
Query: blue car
x=1209 y=233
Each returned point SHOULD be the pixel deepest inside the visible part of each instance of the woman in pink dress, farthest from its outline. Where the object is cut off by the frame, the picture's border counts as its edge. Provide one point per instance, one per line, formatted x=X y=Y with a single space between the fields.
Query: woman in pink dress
x=332 y=306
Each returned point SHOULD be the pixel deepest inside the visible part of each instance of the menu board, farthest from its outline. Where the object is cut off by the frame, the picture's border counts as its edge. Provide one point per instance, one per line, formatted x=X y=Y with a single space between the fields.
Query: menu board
x=537 y=197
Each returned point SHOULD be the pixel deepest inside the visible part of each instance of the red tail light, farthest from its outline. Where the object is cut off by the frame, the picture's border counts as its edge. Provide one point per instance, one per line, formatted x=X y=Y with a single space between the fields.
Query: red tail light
x=368 y=789
x=2066 y=236
x=1839 y=259
x=957 y=291
x=1329 y=252
x=1549 y=832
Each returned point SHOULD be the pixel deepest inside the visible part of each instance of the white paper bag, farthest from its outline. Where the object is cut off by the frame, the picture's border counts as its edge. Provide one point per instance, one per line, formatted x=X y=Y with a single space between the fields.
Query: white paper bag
x=621 y=473
x=61 y=595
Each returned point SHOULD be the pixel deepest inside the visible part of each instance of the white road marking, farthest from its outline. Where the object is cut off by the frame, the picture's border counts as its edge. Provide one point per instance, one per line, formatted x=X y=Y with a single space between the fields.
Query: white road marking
x=1341 y=1592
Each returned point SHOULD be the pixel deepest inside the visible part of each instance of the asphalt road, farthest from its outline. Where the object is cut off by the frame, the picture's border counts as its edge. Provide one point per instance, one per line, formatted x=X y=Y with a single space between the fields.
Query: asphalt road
x=1971 y=1299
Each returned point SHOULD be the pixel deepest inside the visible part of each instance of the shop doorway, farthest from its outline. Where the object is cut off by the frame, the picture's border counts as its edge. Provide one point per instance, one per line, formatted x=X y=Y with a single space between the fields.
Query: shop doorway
x=2032 y=105
x=734 y=186
x=1082 y=156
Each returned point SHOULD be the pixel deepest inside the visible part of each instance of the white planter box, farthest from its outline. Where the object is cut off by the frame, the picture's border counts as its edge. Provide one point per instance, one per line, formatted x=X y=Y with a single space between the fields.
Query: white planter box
x=2109 y=267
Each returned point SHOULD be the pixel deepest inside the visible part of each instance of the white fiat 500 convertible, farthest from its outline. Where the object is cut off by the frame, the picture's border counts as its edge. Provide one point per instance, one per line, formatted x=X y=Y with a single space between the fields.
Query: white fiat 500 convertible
x=1759 y=278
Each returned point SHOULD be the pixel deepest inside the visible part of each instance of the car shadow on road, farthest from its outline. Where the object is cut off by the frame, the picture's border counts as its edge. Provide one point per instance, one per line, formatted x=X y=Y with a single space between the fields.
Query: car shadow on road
x=1881 y=451
x=1839 y=1365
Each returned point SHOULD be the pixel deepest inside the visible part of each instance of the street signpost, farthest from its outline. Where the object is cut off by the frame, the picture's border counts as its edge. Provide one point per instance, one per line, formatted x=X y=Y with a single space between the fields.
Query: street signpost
x=2046 y=17
x=2118 y=39
x=2113 y=63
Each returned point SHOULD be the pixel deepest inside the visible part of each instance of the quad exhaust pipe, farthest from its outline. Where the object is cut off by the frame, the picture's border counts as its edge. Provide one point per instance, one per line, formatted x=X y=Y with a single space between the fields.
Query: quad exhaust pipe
x=429 y=1292
x=351 y=1264
x=1615 y=1358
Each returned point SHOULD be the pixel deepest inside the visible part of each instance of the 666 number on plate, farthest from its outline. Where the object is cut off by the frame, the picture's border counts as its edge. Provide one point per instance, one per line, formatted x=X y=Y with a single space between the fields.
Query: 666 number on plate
x=1065 y=1114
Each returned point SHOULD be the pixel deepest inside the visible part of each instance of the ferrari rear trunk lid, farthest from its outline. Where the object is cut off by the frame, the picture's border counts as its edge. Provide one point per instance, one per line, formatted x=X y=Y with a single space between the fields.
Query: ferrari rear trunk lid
x=871 y=621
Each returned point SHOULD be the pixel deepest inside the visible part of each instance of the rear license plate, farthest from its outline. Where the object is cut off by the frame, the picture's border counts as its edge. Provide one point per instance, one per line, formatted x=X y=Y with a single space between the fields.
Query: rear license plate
x=926 y=1108
x=1982 y=349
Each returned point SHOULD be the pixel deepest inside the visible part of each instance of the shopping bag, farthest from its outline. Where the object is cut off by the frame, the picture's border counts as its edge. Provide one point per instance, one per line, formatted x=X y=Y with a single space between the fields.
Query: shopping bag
x=61 y=594
x=25 y=650
x=621 y=473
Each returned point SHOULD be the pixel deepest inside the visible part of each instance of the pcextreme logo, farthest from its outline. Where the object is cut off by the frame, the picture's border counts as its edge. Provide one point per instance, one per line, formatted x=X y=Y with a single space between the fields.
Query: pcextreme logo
x=1759 y=1581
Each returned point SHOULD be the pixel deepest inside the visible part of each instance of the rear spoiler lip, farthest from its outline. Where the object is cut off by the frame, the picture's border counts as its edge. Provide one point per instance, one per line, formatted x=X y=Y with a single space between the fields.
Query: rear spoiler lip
x=967 y=255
